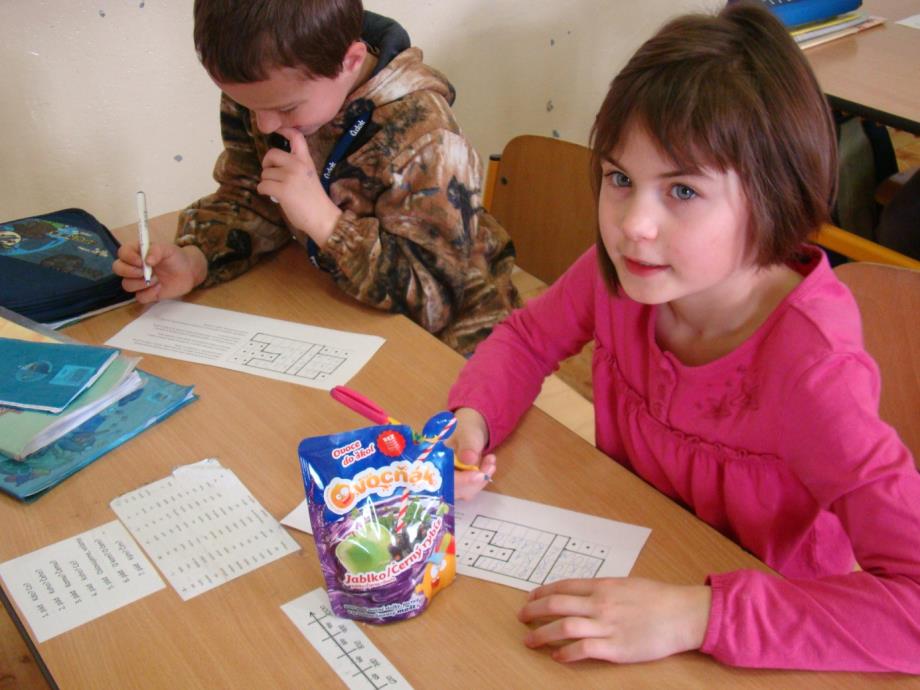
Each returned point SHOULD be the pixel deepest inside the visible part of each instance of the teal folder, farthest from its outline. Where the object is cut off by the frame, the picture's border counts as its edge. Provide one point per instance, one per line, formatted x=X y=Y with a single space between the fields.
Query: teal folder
x=30 y=478
x=48 y=376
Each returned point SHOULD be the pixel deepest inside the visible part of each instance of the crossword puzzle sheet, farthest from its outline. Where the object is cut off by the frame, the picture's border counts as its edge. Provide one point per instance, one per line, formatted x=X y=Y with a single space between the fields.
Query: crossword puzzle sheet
x=525 y=544
x=202 y=527
x=282 y=350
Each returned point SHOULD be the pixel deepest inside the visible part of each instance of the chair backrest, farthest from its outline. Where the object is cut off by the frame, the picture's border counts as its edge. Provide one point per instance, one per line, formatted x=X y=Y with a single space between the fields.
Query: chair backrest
x=858 y=248
x=543 y=196
x=889 y=303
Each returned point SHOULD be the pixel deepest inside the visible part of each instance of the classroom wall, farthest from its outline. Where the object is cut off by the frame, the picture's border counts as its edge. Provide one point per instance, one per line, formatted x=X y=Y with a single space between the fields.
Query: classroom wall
x=103 y=98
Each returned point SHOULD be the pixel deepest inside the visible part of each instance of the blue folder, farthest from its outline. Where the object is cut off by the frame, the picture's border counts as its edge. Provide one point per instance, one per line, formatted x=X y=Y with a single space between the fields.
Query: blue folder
x=48 y=376
x=30 y=478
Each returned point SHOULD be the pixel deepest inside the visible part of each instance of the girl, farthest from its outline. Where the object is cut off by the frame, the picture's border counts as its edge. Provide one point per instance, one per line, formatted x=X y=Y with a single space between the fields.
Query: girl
x=728 y=372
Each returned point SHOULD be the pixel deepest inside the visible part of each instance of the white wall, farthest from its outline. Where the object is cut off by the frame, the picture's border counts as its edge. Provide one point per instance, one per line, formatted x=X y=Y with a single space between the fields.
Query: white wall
x=100 y=99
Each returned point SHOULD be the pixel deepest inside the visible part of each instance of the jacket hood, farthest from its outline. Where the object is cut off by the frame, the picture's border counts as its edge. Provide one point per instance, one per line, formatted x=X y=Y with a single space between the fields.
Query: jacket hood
x=386 y=36
x=400 y=70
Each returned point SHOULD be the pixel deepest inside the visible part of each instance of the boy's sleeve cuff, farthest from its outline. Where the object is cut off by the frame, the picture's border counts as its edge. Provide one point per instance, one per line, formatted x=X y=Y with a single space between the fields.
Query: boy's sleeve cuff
x=346 y=239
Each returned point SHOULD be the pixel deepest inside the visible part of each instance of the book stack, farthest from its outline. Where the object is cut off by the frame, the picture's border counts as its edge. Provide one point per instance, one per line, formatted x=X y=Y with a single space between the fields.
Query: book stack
x=63 y=405
x=816 y=33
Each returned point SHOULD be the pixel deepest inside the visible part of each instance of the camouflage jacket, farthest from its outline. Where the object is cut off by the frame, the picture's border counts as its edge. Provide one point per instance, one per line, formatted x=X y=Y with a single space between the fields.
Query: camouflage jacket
x=413 y=237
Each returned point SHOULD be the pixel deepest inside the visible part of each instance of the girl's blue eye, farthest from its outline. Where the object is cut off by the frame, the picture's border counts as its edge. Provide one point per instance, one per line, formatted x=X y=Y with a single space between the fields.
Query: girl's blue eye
x=682 y=192
x=619 y=179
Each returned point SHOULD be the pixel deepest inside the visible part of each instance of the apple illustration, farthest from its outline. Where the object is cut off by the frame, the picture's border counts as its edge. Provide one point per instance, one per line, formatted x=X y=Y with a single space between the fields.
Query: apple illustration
x=367 y=550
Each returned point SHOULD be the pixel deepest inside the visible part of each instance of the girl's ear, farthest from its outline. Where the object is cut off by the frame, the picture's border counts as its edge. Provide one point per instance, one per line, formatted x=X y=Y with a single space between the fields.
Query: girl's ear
x=354 y=57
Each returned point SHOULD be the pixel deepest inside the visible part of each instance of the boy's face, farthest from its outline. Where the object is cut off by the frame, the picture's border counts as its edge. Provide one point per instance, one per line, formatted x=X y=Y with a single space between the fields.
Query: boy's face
x=288 y=98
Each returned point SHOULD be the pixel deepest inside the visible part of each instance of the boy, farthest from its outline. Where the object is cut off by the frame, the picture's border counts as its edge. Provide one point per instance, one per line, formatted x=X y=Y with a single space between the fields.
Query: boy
x=375 y=179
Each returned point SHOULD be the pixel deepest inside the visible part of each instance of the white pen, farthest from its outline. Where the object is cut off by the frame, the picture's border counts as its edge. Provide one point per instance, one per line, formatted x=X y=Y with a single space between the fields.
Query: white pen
x=143 y=233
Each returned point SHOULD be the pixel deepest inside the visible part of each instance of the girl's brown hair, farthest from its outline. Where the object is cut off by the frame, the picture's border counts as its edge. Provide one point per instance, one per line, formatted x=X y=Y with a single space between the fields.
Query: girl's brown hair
x=731 y=91
x=239 y=41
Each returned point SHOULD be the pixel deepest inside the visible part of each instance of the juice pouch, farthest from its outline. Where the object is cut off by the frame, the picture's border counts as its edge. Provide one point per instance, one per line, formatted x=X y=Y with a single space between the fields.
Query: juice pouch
x=381 y=506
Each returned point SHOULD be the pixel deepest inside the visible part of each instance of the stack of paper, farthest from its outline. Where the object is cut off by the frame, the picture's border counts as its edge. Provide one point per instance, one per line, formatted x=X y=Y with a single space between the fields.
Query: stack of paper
x=816 y=33
x=114 y=403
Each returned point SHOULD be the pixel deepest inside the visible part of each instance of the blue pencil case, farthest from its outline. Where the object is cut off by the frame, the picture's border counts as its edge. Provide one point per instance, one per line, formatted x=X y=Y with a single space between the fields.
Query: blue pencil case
x=58 y=266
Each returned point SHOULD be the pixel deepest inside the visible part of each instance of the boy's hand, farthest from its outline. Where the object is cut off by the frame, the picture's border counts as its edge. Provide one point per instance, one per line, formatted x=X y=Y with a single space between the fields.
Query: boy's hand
x=622 y=620
x=176 y=270
x=471 y=436
x=292 y=180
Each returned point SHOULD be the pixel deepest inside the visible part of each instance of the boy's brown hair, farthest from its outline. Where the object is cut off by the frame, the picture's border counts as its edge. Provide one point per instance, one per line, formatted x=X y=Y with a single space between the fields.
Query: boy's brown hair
x=732 y=91
x=239 y=41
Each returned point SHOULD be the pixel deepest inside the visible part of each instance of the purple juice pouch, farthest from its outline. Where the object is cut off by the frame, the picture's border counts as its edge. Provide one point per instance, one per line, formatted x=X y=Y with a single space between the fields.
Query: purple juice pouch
x=381 y=504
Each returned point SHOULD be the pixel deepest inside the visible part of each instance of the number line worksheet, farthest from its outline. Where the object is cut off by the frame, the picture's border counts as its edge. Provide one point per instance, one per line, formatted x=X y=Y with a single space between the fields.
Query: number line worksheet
x=354 y=658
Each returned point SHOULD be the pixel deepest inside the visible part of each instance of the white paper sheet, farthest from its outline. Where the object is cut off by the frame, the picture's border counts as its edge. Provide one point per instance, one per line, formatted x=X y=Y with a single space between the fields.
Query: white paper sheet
x=74 y=581
x=524 y=544
x=351 y=654
x=299 y=518
x=282 y=350
x=202 y=527
x=912 y=21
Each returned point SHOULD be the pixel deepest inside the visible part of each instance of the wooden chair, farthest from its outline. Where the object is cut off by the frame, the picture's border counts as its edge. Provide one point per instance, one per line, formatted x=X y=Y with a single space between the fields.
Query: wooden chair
x=540 y=190
x=858 y=248
x=889 y=303
x=890 y=186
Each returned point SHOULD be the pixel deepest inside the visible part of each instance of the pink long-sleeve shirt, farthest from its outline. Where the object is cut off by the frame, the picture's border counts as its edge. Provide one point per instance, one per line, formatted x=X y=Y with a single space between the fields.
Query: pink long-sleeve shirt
x=778 y=445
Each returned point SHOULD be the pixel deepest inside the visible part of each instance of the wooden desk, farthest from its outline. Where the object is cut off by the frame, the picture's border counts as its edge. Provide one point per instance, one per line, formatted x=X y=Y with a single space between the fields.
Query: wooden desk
x=875 y=73
x=236 y=636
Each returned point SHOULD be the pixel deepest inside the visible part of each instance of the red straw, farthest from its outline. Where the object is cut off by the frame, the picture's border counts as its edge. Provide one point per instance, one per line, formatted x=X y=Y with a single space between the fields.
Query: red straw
x=404 y=501
x=401 y=517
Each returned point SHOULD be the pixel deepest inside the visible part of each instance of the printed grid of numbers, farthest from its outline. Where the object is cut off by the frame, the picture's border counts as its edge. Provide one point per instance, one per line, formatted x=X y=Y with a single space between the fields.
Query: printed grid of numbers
x=202 y=533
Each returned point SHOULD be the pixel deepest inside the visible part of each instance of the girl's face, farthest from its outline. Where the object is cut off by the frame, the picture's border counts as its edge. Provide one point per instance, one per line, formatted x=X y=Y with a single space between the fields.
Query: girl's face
x=672 y=234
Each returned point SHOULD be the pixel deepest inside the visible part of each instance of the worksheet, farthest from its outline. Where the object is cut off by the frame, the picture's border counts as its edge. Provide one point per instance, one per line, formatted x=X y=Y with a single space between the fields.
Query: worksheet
x=524 y=544
x=281 y=350
x=202 y=527
x=76 y=580
x=343 y=645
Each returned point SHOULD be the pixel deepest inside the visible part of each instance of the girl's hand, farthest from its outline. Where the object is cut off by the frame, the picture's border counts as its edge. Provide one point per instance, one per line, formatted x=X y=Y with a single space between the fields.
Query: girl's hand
x=468 y=441
x=292 y=180
x=175 y=270
x=622 y=620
